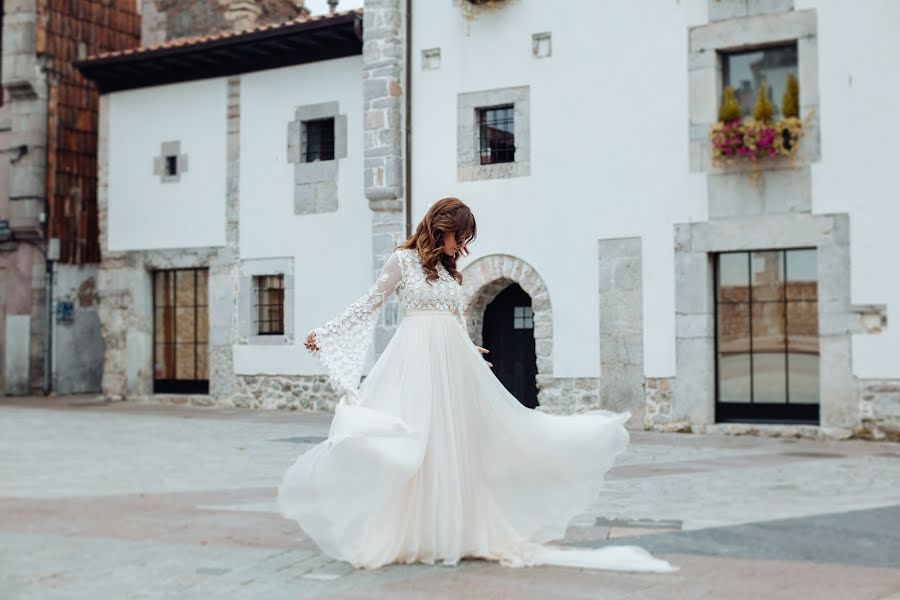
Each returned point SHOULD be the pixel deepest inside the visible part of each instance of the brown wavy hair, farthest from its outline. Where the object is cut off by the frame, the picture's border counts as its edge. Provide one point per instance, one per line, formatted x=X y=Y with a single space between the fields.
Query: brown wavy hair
x=445 y=215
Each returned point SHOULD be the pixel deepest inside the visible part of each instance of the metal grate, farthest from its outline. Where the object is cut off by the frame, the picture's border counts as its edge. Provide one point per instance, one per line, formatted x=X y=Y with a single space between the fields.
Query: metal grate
x=268 y=304
x=497 y=137
x=180 y=331
x=319 y=140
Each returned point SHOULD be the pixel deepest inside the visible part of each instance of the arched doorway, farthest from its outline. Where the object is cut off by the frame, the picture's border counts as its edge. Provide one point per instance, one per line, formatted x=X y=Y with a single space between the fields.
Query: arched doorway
x=508 y=332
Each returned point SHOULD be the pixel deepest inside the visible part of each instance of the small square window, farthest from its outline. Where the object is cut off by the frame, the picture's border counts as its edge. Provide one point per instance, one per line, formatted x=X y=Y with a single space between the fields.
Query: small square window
x=319 y=140
x=268 y=304
x=171 y=166
x=431 y=59
x=523 y=317
x=497 y=137
x=744 y=71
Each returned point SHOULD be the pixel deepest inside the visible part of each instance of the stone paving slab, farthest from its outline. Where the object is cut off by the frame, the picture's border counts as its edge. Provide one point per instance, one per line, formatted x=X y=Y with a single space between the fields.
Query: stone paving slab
x=115 y=500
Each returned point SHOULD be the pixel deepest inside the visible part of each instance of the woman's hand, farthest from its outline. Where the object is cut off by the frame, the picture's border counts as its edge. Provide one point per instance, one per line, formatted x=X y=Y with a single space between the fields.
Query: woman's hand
x=485 y=351
x=311 y=341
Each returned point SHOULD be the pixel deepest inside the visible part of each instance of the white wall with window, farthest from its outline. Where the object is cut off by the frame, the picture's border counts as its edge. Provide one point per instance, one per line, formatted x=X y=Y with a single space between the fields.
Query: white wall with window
x=608 y=152
x=331 y=252
x=178 y=126
x=609 y=147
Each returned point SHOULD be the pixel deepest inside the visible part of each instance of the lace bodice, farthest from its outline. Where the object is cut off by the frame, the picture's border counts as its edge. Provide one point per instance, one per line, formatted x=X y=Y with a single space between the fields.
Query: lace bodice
x=344 y=340
x=417 y=293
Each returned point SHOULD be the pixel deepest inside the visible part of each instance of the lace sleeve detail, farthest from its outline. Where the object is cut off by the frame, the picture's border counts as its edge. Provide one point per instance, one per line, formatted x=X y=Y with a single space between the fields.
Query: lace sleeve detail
x=461 y=317
x=344 y=340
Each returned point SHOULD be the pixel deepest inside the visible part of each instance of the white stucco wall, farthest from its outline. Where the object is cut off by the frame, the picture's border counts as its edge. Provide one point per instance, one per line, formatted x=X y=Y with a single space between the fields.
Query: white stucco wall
x=609 y=151
x=332 y=251
x=609 y=142
x=858 y=86
x=144 y=212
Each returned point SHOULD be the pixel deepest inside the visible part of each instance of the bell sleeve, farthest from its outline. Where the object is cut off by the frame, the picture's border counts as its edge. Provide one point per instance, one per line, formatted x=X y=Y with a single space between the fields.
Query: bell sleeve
x=344 y=340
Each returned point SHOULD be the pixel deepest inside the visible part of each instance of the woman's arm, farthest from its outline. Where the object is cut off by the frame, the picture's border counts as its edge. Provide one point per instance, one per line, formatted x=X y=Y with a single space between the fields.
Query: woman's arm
x=341 y=343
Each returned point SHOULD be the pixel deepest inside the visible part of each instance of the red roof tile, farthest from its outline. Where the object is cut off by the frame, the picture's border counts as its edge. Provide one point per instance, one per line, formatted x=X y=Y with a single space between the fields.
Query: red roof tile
x=200 y=40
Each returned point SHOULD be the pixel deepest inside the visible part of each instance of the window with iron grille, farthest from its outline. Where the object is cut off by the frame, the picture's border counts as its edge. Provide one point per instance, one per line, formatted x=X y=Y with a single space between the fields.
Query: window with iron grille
x=319 y=140
x=497 y=138
x=268 y=304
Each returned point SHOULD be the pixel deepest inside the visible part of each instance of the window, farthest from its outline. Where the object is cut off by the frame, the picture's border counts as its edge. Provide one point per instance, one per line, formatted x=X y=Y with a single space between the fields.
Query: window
x=745 y=71
x=497 y=139
x=171 y=163
x=171 y=166
x=523 y=317
x=767 y=335
x=180 y=331
x=319 y=140
x=268 y=304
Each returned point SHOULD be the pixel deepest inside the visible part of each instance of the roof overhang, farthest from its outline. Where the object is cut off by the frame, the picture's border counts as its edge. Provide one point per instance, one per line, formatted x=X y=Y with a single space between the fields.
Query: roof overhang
x=266 y=47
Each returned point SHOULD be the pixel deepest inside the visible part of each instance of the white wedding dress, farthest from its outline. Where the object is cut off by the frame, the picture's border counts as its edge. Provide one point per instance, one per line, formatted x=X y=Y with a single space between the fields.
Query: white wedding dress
x=431 y=459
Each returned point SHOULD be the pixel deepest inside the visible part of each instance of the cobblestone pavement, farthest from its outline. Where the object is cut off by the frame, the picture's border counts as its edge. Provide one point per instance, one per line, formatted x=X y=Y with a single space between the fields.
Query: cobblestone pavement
x=113 y=501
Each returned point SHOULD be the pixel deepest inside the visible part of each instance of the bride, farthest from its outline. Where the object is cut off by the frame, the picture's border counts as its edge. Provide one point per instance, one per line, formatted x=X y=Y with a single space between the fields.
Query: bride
x=431 y=459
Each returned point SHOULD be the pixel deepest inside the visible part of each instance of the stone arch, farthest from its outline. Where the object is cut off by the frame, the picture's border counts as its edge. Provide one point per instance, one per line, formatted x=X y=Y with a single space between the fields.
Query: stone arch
x=486 y=277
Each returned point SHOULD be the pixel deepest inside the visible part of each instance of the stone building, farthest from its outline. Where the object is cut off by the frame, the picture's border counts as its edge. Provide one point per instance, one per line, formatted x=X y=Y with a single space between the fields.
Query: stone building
x=618 y=265
x=49 y=324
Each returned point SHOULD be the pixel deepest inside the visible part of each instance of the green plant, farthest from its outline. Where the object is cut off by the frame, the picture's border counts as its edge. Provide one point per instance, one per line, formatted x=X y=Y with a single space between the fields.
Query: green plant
x=763 y=110
x=790 y=102
x=730 y=110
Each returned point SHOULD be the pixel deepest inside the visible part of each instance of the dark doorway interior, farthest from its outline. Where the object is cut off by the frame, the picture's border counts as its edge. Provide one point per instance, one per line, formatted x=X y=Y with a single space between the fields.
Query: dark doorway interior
x=508 y=332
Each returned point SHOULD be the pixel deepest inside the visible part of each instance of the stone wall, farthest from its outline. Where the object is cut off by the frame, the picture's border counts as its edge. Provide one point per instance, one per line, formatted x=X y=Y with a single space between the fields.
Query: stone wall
x=568 y=395
x=621 y=327
x=164 y=20
x=383 y=148
x=879 y=409
x=291 y=392
x=486 y=277
x=124 y=283
x=658 y=412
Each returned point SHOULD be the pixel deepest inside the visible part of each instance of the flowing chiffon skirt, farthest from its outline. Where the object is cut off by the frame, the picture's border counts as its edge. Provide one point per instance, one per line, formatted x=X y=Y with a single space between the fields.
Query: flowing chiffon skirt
x=438 y=461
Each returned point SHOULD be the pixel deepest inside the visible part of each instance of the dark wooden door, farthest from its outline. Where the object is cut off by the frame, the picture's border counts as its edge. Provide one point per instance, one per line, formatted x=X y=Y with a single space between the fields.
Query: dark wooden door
x=508 y=332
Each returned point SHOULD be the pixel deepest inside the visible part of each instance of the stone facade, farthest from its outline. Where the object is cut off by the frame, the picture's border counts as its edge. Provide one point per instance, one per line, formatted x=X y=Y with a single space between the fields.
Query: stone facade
x=315 y=183
x=879 y=409
x=284 y=392
x=47 y=127
x=621 y=327
x=468 y=159
x=164 y=20
x=486 y=277
x=383 y=148
x=125 y=285
x=658 y=415
x=772 y=213
x=695 y=243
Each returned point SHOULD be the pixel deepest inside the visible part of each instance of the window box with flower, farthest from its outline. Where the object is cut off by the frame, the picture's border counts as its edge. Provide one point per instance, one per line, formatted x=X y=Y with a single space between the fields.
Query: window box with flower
x=759 y=138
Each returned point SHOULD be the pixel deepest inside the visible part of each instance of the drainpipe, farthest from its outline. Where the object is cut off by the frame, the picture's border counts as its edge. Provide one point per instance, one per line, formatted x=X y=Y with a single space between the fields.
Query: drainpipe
x=408 y=120
x=48 y=329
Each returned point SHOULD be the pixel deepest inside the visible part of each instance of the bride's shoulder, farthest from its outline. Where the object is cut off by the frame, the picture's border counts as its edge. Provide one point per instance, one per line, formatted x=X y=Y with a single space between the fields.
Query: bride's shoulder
x=408 y=253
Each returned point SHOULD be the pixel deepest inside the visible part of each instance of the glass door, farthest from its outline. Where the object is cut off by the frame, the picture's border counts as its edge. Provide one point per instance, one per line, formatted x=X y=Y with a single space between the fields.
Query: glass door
x=767 y=336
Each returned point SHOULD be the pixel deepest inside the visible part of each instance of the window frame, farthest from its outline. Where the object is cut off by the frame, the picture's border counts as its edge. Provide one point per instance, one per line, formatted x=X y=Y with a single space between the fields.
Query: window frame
x=484 y=144
x=319 y=126
x=753 y=411
x=259 y=307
